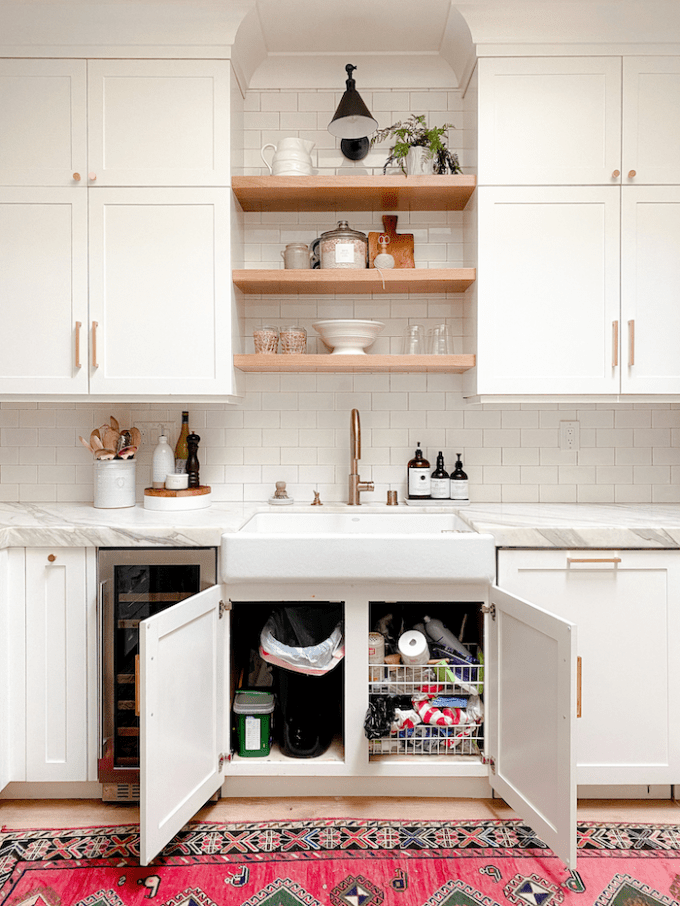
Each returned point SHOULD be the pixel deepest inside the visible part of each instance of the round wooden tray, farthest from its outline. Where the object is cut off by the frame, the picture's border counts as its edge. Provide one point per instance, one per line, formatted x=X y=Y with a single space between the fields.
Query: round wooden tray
x=186 y=499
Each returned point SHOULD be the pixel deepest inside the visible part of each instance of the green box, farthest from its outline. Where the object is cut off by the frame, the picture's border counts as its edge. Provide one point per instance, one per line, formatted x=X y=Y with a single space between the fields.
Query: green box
x=253 y=710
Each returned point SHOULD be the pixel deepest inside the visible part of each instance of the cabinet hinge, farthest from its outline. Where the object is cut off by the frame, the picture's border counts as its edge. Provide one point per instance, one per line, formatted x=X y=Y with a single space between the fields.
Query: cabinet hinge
x=224 y=607
x=491 y=762
x=490 y=609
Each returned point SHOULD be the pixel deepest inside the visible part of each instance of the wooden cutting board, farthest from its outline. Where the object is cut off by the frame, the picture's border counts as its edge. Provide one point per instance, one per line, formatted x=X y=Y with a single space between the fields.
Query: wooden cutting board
x=399 y=246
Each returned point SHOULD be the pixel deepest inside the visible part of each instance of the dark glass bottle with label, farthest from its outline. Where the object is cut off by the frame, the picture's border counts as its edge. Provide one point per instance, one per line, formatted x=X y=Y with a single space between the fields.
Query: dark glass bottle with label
x=418 y=475
x=440 y=483
x=459 y=483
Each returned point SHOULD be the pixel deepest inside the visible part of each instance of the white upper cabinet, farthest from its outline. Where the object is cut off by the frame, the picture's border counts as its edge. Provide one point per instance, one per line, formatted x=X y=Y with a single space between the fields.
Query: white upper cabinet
x=650 y=276
x=548 y=314
x=160 y=292
x=550 y=120
x=43 y=288
x=158 y=123
x=43 y=112
x=651 y=120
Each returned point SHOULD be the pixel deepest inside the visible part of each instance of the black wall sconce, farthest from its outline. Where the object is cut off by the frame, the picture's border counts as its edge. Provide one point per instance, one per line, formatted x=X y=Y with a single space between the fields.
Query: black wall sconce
x=352 y=121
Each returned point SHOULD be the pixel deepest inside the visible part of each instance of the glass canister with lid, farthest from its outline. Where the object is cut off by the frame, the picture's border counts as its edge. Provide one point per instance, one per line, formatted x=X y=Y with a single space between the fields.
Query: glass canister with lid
x=343 y=248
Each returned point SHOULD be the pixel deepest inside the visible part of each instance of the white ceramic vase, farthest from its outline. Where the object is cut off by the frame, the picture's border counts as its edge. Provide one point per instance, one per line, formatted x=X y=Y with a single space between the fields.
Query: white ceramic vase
x=419 y=163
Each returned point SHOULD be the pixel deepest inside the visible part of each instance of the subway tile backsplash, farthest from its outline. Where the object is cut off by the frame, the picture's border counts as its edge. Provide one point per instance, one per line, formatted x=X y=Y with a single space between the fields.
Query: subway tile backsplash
x=295 y=427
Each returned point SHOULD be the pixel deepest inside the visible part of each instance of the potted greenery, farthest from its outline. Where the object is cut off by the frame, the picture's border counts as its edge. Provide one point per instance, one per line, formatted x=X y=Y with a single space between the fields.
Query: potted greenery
x=418 y=149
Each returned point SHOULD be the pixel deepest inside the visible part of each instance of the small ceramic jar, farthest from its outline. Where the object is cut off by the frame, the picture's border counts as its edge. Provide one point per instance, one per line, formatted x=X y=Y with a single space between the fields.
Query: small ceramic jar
x=296 y=255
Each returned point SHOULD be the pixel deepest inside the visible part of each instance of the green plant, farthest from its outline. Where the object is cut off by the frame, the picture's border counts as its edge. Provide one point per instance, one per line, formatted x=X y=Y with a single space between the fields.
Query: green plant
x=415 y=134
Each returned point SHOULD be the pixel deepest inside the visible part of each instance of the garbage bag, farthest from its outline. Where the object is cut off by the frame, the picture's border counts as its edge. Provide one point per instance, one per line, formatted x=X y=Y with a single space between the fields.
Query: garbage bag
x=304 y=639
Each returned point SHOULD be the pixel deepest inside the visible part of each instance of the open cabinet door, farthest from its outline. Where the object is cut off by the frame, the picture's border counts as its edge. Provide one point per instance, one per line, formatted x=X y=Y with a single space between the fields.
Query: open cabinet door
x=531 y=707
x=183 y=654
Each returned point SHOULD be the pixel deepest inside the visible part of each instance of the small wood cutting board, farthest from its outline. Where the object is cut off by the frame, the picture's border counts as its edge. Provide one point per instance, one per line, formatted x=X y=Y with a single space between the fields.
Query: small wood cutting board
x=400 y=247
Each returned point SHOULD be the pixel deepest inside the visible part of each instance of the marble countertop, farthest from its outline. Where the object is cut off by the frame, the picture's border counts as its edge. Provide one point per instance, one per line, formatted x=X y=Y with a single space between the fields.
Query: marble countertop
x=512 y=525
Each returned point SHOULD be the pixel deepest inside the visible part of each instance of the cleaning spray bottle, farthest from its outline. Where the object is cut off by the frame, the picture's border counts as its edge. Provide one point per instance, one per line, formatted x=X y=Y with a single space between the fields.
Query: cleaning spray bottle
x=439 y=634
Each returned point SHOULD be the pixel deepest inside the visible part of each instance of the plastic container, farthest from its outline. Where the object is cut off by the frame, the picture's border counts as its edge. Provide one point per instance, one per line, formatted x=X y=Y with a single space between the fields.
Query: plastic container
x=253 y=710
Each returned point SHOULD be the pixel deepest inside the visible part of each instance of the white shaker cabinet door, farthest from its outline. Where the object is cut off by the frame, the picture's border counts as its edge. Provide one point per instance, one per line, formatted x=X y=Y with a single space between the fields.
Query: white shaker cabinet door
x=625 y=604
x=651 y=120
x=548 y=290
x=160 y=292
x=43 y=120
x=43 y=288
x=550 y=120
x=6 y=692
x=158 y=122
x=184 y=707
x=56 y=664
x=650 y=294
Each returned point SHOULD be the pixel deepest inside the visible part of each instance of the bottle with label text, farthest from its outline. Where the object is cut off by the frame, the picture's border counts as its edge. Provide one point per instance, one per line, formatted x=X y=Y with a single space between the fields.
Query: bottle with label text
x=181 y=448
x=440 y=483
x=418 y=472
x=459 y=483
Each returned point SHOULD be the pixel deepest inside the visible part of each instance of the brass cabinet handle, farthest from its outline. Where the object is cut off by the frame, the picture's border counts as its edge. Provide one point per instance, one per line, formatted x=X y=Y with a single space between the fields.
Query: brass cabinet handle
x=615 y=343
x=79 y=324
x=631 y=343
x=593 y=559
x=579 y=696
x=616 y=174
x=52 y=557
x=631 y=174
x=92 y=176
x=95 y=363
x=76 y=177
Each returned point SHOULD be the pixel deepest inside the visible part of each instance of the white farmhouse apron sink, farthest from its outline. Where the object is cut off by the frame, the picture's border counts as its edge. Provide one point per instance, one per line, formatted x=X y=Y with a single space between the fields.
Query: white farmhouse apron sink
x=355 y=545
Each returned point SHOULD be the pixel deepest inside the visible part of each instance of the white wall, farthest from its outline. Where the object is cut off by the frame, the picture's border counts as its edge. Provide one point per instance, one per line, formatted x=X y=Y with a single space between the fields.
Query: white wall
x=296 y=427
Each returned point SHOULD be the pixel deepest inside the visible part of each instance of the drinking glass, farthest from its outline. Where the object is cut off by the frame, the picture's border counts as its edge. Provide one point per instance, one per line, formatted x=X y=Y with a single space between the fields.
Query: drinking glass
x=440 y=340
x=414 y=342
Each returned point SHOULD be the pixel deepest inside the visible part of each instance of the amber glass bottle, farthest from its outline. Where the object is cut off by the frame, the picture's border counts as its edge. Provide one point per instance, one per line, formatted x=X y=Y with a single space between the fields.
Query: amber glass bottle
x=418 y=474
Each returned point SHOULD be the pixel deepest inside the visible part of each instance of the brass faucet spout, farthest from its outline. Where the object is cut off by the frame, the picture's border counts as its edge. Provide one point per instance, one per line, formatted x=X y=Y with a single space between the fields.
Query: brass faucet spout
x=356 y=485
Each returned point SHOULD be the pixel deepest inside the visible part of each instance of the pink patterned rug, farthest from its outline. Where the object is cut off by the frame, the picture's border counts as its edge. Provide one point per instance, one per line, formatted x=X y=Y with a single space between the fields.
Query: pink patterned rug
x=341 y=863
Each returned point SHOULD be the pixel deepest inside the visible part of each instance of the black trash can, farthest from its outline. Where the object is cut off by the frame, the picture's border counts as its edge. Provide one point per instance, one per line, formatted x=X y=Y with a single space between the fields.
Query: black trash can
x=306 y=646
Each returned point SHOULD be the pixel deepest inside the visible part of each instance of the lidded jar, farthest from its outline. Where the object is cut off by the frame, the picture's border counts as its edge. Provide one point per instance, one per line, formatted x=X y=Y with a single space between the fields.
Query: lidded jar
x=343 y=248
x=296 y=255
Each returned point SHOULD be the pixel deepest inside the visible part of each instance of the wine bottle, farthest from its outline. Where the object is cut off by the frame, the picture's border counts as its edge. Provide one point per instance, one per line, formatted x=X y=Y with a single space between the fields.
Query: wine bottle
x=459 y=483
x=181 y=449
x=418 y=475
x=440 y=484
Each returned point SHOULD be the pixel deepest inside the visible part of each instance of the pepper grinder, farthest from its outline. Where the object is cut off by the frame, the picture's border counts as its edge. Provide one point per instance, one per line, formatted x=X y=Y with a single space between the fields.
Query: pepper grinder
x=192 y=460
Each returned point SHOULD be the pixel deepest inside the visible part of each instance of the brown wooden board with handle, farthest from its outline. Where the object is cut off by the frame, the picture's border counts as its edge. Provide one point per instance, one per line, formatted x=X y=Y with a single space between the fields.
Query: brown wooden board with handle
x=400 y=246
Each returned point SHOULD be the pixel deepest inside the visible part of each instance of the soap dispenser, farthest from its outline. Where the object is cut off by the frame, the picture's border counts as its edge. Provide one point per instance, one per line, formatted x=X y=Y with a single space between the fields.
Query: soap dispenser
x=163 y=462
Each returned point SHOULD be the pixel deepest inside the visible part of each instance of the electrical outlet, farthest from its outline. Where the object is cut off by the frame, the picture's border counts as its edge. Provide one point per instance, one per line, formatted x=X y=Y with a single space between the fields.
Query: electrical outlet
x=151 y=431
x=569 y=436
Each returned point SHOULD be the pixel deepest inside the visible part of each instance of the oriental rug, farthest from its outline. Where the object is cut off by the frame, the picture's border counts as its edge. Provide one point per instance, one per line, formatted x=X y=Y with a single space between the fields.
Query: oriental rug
x=332 y=862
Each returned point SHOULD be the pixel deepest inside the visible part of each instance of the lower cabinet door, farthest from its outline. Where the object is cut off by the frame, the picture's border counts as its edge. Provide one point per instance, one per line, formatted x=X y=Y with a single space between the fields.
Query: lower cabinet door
x=182 y=672
x=56 y=664
x=530 y=694
x=625 y=606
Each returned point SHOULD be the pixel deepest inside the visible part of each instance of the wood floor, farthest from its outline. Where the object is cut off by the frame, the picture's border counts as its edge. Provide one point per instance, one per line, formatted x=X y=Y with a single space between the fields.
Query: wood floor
x=47 y=813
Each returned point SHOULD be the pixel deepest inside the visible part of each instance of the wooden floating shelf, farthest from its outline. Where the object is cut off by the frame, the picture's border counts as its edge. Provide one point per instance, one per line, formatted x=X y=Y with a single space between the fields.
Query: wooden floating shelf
x=447 y=364
x=353 y=193
x=343 y=281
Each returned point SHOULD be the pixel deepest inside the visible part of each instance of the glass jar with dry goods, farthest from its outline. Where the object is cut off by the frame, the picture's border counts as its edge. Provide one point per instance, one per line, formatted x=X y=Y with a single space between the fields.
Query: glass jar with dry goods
x=266 y=339
x=343 y=248
x=293 y=340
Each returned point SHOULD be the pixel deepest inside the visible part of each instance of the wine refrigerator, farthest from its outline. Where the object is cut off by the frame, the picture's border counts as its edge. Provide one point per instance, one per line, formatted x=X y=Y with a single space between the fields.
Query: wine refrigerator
x=134 y=583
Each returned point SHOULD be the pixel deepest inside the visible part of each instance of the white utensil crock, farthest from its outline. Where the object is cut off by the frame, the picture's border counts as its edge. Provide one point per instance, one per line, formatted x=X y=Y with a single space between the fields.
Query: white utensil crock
x=114 y=483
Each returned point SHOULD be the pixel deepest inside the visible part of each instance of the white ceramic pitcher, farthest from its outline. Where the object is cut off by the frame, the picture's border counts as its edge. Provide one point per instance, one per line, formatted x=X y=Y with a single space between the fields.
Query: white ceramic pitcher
x=292 y=157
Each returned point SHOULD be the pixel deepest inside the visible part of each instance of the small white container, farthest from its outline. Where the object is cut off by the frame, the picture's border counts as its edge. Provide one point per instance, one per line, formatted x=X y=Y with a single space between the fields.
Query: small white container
x=114 y=483
x=176 y=481
x=413 y=647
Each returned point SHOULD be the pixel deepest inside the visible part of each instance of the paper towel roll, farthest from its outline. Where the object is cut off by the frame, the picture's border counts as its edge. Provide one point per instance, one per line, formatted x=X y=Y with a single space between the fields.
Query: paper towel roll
x=413 y=647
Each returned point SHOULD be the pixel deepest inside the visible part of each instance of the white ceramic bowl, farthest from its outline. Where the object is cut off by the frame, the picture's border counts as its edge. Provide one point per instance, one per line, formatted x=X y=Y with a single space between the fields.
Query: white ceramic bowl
x=349 y=336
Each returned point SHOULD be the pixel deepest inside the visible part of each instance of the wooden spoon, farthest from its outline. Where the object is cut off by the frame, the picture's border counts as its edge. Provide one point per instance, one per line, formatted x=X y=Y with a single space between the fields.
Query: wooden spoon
x=104 y=454
x=115 y=425
x=127 y=452
x=135 y=437
x=95 y=440
x=110 y=439
x=85 y=444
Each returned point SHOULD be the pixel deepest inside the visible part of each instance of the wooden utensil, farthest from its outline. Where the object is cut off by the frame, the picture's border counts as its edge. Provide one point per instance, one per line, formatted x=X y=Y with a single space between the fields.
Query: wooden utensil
x=400 y=246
